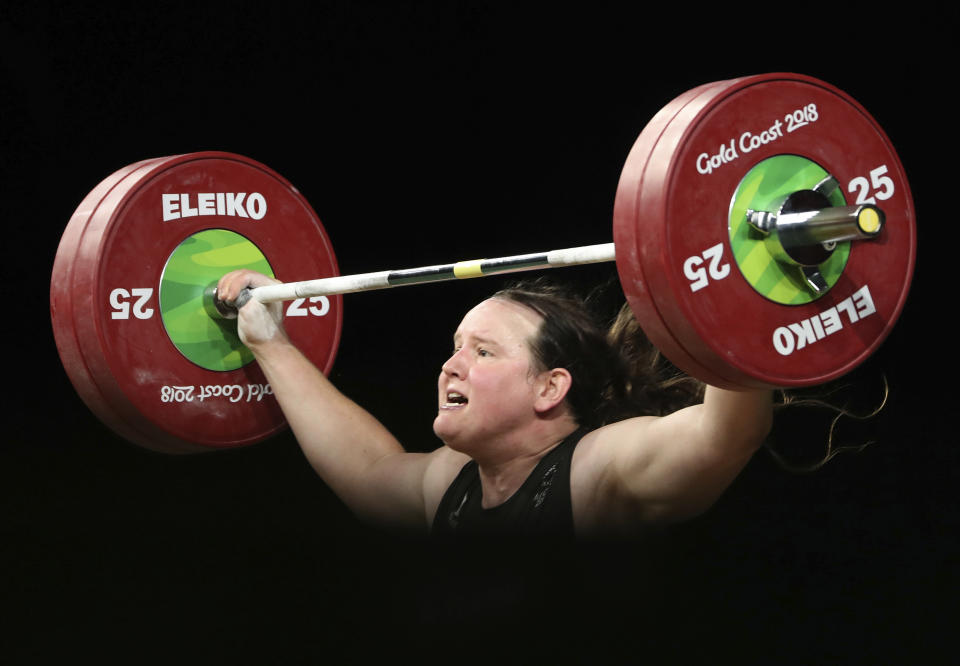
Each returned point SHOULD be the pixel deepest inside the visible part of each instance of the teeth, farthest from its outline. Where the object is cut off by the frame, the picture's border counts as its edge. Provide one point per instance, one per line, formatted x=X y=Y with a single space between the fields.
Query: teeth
x=454 y=398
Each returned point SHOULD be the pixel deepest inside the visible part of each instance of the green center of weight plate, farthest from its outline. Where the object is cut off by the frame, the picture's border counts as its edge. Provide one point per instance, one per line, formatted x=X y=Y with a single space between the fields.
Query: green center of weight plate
x=764 y=188
x=196 y=264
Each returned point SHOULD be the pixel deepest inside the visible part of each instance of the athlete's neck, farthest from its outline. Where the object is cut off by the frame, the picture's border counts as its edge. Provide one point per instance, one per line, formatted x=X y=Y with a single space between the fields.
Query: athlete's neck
x=500 y=479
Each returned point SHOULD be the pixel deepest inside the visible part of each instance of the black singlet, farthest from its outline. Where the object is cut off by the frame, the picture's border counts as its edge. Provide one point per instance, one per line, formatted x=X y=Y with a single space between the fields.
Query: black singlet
x=541 y=506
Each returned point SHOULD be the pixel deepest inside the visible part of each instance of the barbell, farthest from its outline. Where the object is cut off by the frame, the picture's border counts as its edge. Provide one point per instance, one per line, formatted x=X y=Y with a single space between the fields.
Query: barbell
x=764 y=236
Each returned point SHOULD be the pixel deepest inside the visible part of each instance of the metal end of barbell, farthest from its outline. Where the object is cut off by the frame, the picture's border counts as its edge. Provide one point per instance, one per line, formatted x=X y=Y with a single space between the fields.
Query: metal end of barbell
x=805 y=239
x=830 y=225
x=219 y=309
x=870 y=220
x=216 y=308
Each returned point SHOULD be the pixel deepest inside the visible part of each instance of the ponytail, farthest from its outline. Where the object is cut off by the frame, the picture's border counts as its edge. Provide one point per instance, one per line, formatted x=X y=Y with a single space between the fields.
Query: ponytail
x=654 y=386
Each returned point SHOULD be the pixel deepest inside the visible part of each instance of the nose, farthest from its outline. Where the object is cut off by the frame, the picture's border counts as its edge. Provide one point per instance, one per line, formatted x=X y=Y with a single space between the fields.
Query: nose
x=455 y=367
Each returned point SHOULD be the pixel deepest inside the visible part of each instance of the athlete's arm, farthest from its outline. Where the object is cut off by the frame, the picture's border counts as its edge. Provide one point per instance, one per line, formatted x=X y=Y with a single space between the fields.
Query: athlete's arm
x=351 y=450
x=651 y=469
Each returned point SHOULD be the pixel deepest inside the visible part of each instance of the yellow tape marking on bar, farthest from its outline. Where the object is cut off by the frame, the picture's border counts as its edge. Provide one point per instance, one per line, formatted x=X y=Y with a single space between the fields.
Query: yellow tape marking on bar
x=468 y=269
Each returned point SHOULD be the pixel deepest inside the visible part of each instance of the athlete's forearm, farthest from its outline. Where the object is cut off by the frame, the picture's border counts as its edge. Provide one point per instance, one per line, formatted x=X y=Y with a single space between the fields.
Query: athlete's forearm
x=341 y=440
x=743 y=417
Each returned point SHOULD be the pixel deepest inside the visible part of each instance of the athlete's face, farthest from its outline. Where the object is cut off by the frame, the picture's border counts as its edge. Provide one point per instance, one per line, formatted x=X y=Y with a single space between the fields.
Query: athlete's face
x=487 y=388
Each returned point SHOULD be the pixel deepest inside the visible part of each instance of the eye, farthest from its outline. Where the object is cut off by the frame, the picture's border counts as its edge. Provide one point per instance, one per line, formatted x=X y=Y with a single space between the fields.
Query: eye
x=483 y=352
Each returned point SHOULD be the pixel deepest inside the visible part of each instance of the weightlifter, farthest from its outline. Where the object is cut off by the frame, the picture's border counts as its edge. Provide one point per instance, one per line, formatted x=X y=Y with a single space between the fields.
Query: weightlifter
x=546 y=420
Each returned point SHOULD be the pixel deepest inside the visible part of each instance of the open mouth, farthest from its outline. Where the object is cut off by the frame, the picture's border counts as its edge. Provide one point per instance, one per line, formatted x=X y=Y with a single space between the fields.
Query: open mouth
x=454 y=400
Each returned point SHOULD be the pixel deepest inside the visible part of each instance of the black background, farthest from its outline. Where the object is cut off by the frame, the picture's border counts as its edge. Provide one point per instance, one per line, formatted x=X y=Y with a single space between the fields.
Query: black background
x=424 y=133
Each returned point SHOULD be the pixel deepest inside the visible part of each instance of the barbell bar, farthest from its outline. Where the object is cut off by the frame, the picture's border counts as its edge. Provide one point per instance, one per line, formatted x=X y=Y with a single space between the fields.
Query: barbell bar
x=461 y=270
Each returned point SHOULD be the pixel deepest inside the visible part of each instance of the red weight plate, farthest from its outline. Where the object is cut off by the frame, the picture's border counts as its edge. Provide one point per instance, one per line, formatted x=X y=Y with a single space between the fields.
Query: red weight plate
x=168 y=402
x=629 y=240
x=61 y=300
x=683 y=206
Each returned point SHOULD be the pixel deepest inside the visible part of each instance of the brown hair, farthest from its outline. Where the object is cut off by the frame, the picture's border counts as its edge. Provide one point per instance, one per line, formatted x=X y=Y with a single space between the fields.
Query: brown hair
x=616 y=372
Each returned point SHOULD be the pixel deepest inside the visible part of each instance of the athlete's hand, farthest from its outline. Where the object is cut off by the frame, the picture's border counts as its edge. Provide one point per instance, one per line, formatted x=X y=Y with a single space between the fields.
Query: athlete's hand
x=257 y=323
